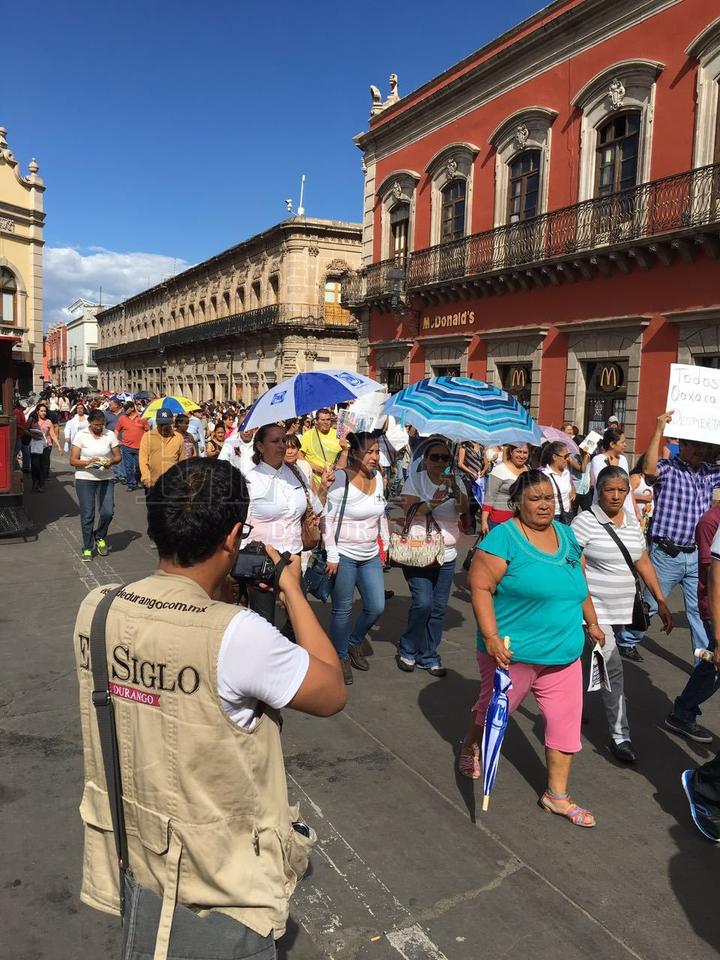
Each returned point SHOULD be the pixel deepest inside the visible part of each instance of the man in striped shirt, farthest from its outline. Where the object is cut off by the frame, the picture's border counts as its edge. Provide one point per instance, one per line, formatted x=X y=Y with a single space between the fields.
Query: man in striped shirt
x=683 y=493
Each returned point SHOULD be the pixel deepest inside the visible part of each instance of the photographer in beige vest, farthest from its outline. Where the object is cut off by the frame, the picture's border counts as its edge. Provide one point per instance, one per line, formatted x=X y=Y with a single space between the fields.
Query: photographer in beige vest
x=196 y=684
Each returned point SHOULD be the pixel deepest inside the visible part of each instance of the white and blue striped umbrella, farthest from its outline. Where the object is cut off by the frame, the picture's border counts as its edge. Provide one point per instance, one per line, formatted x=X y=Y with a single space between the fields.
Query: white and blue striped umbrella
x=496 y=721
x=463 y=409
x=306 y=392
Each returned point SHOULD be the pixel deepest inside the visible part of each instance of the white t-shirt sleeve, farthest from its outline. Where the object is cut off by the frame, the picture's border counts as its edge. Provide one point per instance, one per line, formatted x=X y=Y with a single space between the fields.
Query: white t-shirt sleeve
x=257 y=664
x=715 y=546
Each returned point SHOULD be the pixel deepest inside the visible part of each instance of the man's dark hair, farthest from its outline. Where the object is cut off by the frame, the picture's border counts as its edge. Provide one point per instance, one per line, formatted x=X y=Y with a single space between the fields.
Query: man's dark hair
x=130 y=405
x=96 y=415
x=323 y=410
x=181 y=419
x=193 y=507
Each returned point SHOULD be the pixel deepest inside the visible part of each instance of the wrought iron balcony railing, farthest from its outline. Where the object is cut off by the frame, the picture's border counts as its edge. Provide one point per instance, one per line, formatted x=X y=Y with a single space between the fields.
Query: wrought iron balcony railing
x=275 y=316
x=653 y=211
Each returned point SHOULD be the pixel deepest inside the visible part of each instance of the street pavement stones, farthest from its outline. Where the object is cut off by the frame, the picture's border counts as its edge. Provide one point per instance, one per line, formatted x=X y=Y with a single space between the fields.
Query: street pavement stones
x=406 y=865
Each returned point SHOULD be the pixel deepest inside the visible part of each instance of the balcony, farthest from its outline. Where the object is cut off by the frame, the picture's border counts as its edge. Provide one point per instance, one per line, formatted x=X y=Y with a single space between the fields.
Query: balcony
x=652 y=222
x=280 y=317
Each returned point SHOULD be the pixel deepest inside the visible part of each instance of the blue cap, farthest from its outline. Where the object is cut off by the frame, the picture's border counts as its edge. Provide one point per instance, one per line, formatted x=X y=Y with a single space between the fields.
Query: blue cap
x=163 y=416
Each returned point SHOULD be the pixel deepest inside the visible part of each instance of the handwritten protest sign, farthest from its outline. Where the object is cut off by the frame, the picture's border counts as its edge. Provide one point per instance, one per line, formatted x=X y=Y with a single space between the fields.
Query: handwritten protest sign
x=694 y=398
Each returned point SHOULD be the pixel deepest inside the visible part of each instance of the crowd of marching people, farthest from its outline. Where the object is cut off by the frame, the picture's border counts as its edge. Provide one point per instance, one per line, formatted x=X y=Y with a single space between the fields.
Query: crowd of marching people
x=571 y=543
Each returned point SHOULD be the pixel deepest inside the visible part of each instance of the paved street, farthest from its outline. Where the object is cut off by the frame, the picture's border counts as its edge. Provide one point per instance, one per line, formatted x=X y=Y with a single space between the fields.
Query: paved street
x=407 y=864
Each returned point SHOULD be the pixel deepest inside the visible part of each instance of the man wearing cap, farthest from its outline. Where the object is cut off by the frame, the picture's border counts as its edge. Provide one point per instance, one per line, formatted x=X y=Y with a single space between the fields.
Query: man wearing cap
x=612 y=422
x=196 y=431
x=112 y=415
x=160 y=449
x=130 y=429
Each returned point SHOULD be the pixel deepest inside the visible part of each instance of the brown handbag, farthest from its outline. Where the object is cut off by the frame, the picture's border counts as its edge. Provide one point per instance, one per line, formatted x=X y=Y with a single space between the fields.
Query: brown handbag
x=311 y=535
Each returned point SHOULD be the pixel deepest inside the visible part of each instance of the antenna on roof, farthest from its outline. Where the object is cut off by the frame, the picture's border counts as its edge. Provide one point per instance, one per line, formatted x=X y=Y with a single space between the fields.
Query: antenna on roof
x=301 y=208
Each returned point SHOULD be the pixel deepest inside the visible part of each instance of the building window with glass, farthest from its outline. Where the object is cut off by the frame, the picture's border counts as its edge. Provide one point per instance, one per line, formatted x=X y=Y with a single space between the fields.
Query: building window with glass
x=524 y=186
x=8 y=295
x=399 y=231
x=618 y=143
x=452 y=211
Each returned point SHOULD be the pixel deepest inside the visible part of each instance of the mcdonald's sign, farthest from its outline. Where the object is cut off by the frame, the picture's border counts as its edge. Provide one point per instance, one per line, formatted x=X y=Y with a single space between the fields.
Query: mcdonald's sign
x=610 y=378
x=518 y=378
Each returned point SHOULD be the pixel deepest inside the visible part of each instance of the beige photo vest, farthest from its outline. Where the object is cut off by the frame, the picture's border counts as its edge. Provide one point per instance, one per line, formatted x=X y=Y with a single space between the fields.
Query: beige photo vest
x=191 y=777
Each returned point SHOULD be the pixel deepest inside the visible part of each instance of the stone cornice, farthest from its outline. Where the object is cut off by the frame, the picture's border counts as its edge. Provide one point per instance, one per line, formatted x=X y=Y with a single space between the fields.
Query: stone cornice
x=572 y=31
x=709 y=37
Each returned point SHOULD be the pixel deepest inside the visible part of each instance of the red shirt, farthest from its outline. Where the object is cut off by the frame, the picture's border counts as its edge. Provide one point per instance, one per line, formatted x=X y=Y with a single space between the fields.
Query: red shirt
x=132 y=429
x=704 y=535
x=20 y=421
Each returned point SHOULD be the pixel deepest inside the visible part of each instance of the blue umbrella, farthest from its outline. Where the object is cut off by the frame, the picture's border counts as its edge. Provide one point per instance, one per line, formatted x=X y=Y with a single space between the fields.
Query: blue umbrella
x=305 y=392
x=496 y=721
x=463 y=409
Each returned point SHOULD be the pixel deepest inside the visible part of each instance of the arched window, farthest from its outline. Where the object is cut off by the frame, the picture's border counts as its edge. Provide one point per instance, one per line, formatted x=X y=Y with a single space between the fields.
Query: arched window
x=8 y=295
x=616 y=162
x=523 y=186
x=399 y=231
x=452 y=211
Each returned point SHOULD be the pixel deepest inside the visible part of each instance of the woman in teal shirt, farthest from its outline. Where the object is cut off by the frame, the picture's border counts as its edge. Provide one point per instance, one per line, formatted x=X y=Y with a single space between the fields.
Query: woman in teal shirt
x=528 y=585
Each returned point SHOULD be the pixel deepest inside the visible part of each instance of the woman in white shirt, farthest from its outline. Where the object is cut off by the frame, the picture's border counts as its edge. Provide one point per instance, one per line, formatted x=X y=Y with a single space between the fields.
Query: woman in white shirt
x=278 y=502
x=554 y=463
x=353 y=522
x=238 y=449
x=74 y=425
x=94 y=452
x=612 y=454
x=437 y=493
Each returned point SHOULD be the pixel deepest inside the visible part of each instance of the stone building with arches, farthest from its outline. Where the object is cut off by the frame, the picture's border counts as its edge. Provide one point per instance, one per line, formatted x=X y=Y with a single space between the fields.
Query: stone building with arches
x=236 y=324
x=545 y=214
x=21 y=268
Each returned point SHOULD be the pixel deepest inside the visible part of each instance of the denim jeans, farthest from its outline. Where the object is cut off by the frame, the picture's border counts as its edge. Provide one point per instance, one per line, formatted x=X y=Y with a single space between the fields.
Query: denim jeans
x=367 y=575
x=703 y=682
x=90 y=493
x=131 y=466
x=430 y=591
x=681 y=570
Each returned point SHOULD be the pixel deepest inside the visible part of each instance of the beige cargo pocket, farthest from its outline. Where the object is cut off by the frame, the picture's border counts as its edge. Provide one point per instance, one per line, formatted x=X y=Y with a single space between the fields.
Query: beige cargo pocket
x=296 y=849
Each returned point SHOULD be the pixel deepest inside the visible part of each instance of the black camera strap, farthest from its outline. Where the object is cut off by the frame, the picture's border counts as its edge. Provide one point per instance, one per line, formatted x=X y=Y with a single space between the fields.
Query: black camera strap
x=105 y=712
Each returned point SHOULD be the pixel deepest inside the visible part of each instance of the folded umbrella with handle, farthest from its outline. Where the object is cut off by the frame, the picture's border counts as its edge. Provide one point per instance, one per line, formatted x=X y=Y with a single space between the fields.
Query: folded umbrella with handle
x=496 y=721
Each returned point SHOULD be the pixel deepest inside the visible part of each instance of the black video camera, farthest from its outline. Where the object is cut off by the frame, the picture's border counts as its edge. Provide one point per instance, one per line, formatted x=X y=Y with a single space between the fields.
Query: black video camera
x=253 y=565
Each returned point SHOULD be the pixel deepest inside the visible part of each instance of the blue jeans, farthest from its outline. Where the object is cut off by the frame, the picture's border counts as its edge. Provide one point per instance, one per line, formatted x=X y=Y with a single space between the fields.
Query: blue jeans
x=367 y=575
x=430 y=591
x=90 y=493
x=131 y=466
x=681 y=570
x=703 y=683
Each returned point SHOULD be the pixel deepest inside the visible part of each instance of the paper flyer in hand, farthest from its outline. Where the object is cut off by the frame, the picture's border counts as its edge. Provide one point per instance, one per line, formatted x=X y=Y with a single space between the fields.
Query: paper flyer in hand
x=351 y=422
x=599 y=679
x=590 y=442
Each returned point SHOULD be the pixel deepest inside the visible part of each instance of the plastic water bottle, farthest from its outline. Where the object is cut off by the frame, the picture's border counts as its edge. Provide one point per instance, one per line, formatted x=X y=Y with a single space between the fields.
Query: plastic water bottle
x=702 y=654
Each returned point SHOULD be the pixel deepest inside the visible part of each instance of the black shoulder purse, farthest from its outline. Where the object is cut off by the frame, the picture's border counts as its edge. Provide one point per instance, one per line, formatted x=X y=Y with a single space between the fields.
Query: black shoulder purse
x=641 y=610
x=563 y=516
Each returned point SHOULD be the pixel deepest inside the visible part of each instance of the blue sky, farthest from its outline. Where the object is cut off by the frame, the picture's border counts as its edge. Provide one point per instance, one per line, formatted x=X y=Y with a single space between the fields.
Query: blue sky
x=166 y=132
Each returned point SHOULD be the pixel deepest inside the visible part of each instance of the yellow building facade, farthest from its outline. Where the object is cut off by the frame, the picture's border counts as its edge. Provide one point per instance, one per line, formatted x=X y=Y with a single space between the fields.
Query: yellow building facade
x=22 y=220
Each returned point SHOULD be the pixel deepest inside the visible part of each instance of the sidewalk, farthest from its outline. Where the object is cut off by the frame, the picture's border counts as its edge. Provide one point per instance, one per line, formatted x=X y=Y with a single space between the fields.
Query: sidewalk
x=407 y=864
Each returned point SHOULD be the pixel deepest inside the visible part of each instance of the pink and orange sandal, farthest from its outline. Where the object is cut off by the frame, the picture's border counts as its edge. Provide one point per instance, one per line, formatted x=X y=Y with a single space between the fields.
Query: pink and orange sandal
x=575 y=814
x=468 y=763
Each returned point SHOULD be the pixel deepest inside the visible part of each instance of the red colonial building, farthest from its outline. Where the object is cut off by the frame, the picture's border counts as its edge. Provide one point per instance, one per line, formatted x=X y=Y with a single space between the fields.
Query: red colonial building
x=57 y=354
x=545 y=215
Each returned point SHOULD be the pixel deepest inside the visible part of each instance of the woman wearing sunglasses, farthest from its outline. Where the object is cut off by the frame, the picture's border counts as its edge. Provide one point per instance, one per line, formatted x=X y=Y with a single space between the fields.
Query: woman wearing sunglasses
x=554 y=460
x=434 y=487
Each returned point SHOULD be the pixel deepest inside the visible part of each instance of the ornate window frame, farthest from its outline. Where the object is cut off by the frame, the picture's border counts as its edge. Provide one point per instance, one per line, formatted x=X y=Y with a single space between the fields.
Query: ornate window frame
x=454 y=162
x=525 y=129
x=627 y=85
x=705 y=48
x=400 y=186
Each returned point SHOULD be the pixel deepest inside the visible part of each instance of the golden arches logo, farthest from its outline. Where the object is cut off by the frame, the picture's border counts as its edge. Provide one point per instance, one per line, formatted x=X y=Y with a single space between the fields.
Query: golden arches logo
x=518 y=378
x=608 y=378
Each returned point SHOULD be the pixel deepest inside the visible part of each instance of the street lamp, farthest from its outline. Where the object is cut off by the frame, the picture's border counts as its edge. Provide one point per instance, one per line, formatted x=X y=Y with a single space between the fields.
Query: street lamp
x=230 y=356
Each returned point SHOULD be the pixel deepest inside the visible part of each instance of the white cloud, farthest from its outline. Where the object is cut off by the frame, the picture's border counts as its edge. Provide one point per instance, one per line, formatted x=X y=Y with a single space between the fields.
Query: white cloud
x=69 y=274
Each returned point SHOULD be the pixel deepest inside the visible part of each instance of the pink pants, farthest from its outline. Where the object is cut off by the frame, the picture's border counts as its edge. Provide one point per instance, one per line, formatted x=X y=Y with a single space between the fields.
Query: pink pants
x=557 y=690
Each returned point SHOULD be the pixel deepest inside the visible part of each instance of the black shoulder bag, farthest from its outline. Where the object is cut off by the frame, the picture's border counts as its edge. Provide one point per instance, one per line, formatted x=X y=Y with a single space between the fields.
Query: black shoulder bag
x=153 y=925
x=641 y=611
x=317 y=580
